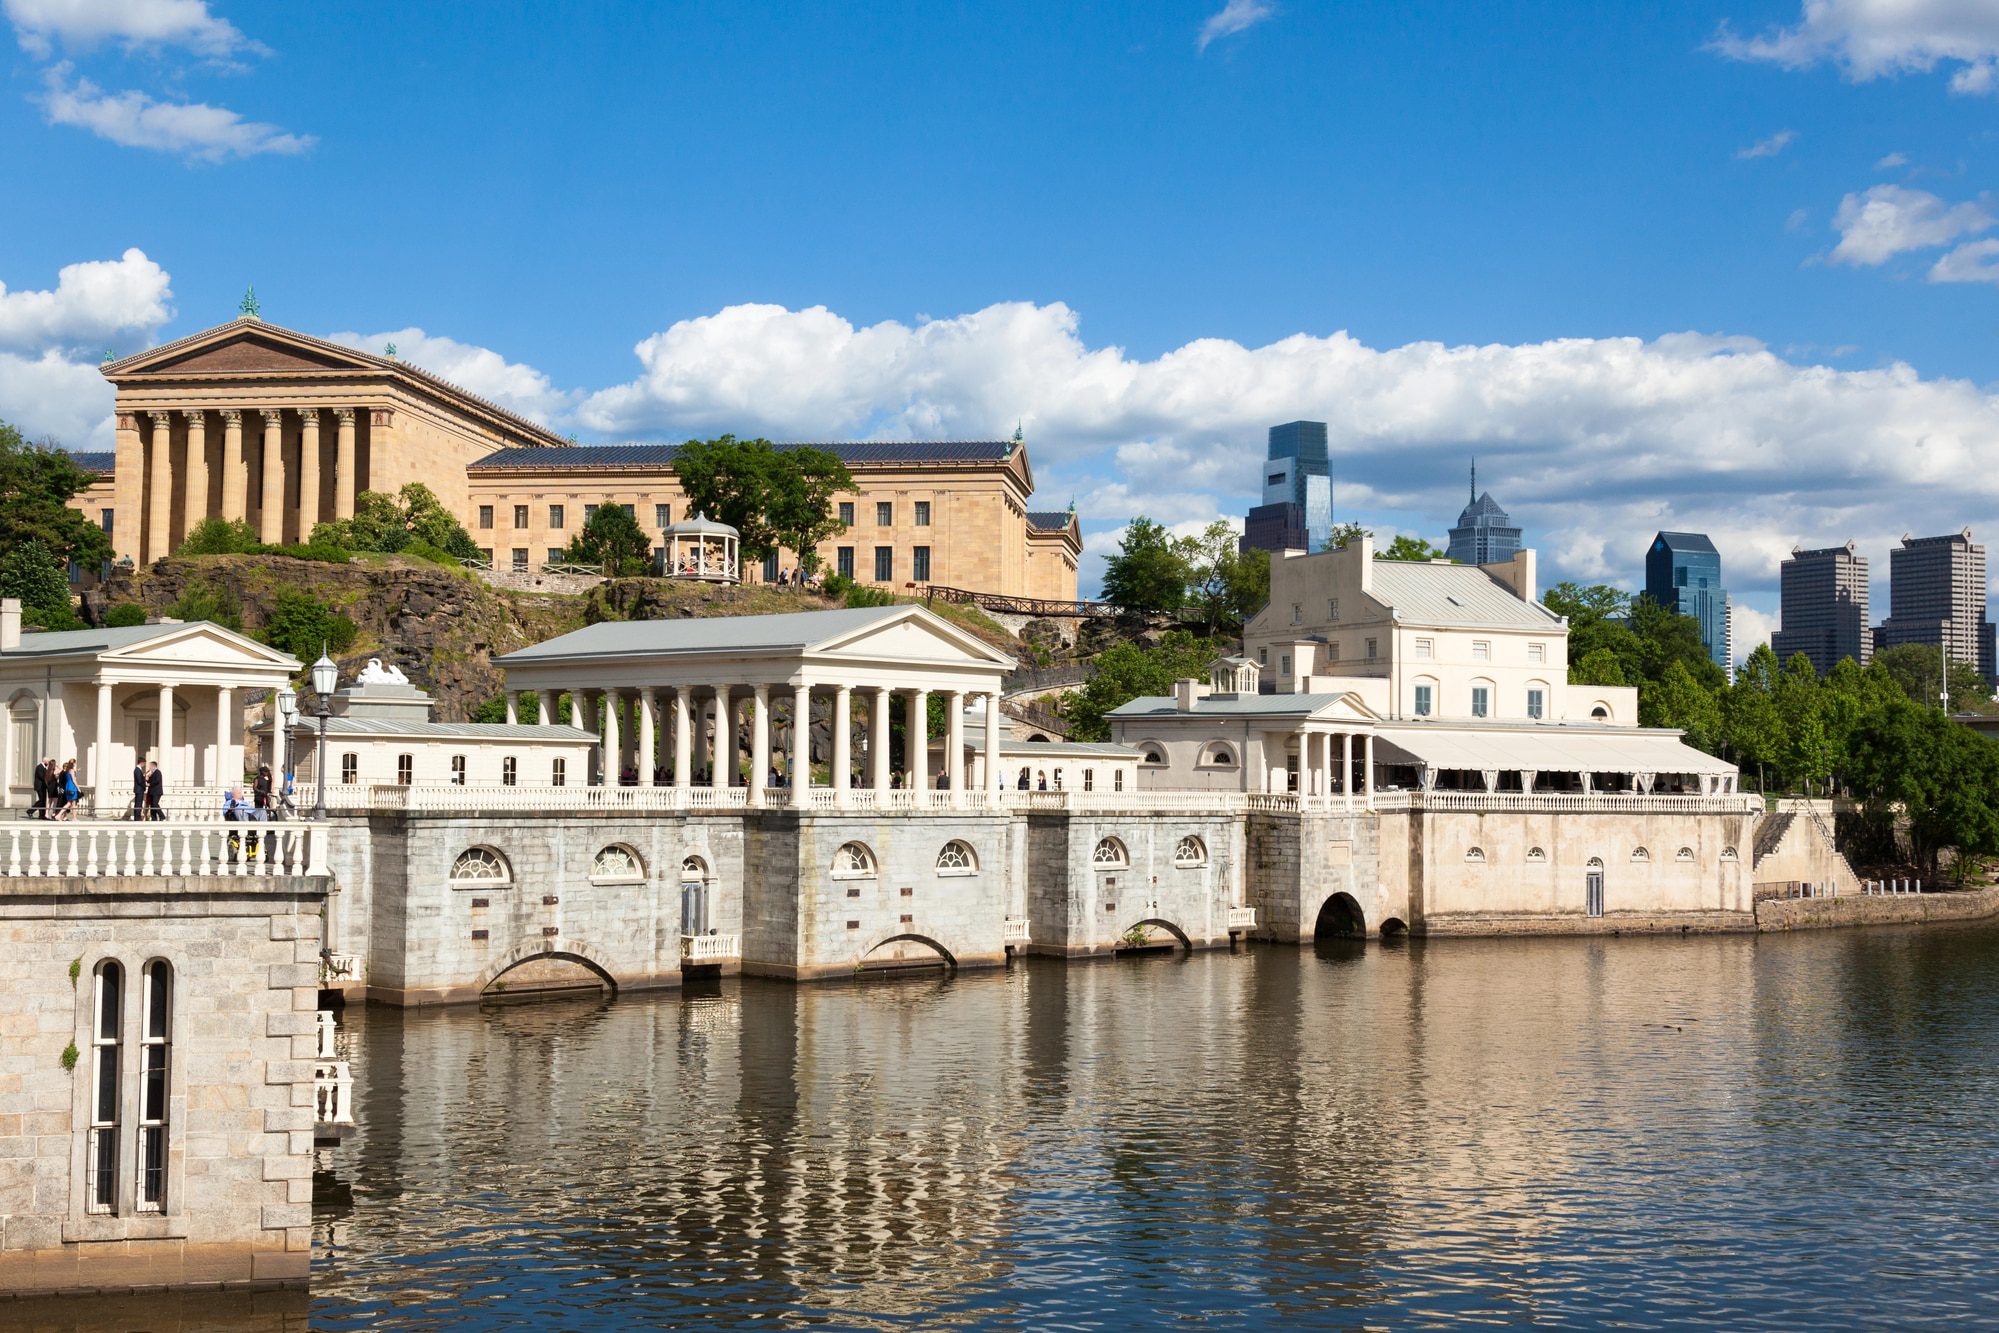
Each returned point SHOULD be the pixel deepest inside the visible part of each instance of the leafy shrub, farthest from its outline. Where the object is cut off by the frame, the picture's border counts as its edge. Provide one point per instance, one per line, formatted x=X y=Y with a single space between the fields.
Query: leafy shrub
x=125 y=614
x=304 y=626
x=219 y=536
x=33 y=573
x=201 y=602
x=324 y=552
x=860 y=594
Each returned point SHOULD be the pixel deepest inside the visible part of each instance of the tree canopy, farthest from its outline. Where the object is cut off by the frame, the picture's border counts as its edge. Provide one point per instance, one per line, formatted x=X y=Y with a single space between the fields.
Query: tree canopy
x=37 y=526
x=613 y=539
x=774 y=498
x=1149 y=572
x=1126 y=671
x=413 y=519
x=32 y=572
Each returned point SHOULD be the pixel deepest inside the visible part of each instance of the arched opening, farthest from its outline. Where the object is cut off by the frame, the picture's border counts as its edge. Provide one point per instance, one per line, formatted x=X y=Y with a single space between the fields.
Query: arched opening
x=531 y=975
x=907 y=953
x=1153 y=935
x=1394 y=928
x=1340 y=918
x=693 y=896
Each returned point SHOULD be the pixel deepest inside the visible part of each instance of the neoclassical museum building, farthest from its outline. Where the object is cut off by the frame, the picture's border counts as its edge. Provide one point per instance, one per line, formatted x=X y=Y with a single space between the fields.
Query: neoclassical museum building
x=276 y=428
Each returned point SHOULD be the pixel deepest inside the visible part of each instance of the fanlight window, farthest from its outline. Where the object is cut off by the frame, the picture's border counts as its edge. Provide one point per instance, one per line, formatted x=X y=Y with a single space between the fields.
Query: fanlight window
x=1110 y=855
x=853 y=860
x=481 y=865
x=1535 y=856
x=1640 y=854
x=1218 y=755
x=1476 y=856
x=1152 y=754
x=1594 y=863
x=1728 y=854
x=957 y=858
x=617 y=863
x=1684 y=854
x=1191 y=851
x=693 y=867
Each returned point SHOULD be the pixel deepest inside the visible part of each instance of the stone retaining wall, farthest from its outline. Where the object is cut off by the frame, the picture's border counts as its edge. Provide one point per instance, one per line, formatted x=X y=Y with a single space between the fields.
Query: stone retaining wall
x=1876 y=909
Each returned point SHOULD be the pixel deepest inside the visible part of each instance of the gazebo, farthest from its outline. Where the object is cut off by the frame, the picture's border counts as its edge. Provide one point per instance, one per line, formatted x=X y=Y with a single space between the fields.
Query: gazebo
x=701 y=548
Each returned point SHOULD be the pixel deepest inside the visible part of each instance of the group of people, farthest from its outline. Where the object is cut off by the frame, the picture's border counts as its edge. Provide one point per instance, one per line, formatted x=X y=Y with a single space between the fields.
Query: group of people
x=58 y=797
x=56 y=793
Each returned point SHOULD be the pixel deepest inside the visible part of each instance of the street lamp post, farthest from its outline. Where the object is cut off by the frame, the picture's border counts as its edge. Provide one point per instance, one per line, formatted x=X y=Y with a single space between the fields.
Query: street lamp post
x=288 y=721
x=325 y=676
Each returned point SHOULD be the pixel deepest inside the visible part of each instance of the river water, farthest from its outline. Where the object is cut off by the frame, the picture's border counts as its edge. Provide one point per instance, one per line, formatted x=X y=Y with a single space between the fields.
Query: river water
x=1735 y=1131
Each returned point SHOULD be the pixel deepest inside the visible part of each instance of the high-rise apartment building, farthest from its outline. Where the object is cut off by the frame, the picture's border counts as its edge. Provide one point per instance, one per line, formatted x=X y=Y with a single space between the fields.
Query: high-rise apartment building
x=1485 y=535
x=1936 y=597
x=1297 y=509
x=1824 y=607
x=1683 y=574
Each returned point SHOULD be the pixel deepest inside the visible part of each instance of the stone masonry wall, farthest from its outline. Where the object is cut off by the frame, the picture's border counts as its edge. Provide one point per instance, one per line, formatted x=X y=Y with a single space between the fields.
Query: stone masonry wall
x=238 y=1194
x=1299 y=861
x=1080 y=906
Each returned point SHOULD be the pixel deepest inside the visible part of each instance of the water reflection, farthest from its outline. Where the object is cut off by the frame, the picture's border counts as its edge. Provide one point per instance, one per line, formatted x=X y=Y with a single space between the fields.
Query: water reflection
x=1734 y=1131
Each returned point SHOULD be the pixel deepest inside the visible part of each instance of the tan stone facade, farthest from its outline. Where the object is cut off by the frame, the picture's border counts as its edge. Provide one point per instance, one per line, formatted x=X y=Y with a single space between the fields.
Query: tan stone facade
x=281 y=430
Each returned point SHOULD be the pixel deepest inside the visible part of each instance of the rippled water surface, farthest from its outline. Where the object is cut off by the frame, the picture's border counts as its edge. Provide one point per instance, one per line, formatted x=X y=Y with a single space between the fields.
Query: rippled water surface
x=1738 y=1131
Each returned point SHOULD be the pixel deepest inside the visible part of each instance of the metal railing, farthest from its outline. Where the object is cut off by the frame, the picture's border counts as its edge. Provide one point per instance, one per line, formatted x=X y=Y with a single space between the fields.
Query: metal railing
x=99 y=849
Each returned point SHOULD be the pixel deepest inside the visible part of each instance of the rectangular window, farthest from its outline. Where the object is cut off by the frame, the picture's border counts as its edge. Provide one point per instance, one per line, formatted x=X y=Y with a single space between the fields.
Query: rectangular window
x=485 y=516
x=1332 y=608
x=922 y=513
x=559 y=772
x=662 y=516
x=1481 y=701
x=458 y=770
x=1371 y=650
x=1284 y=665
x=101 y=1150
x=1117 y=779
x=1537 y=652
x=1297 y=614
x=405 y=769
x=520 y=560
x=884 y=564
x=1535 y=705
x=509 y=770
x=1333 y=650
x=520 y=516
x=155 y=1000
x=350 y=768
x=1274 y=479
x=1089 y=779
x=1425 y=649
x=1481 y=650
x=589 y=512
x=486 y=554
x=555 y=554
x=1263 y=657
x=843 y=561
x=846 y=513
x=884 y=514
x=1424 y=701
x=631 y=511
x=104 y=519
x=770 y=568
x=919 y=564
x=555 y=516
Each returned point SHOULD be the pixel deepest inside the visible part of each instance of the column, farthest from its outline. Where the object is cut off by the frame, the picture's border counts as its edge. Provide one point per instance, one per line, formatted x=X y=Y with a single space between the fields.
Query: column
x=878 y=741
x=128 y=514
x=995 y=775
x=801 y=746
x=545 y=705
x=166 y=741
x=195 y=508
x=613 y=752
x=227 y=774
x=308 y=472
x=954 y=755
x=513 y=709
x=648 y=736
x=916 y=740
x=1367 y=768
x=1346 y=767
x=159 y=489
x=583 y=712
x=683 y=742
x=719 y=776
x=271 y=500
x=100 y=756
x=843 y=741
x=732 y=721
x=235 y=468
x=759 y=743
x=344 y=486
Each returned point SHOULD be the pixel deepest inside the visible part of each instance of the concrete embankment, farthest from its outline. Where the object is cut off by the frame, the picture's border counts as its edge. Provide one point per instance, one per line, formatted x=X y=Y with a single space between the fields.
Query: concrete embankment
x=1876 y=910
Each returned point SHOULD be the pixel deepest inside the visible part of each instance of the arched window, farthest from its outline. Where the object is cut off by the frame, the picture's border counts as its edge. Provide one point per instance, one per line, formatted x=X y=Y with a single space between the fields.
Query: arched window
x=957 y=858
x=1110 y=855
x=1594 y=863
x=1089 y=779
x=1190 y=851
x=1152 y=754
x=1475 y=855
x=1684 y=854
x=1217 y=754
x=617 y=864
x=1640 y=854
x=481 y=867
x=853 y=861
x=1728 y=854
x=693 y=868
x=1599 y=714
x=155 y=1043
x=350 y=768
x=1535 y=856
x=107 y=1026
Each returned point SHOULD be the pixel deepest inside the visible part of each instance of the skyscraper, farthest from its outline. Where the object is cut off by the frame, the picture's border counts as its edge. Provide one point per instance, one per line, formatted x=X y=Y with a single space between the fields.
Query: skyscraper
x=1683 y=574
x=1297 y=508
x=1484 y=534
x=1936 y=597
x=1824 y=607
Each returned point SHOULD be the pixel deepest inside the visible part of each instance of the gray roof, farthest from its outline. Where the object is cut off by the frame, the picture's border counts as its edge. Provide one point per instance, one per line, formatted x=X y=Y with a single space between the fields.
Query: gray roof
x=94 y=461
x=102 y=639
x=662 y=455
x=1461 y=595
x=748 y=634
x=1230 y=705
x=1687 y=541
x=471 y=731
x=1050 y=520
x=1485 y=507
x=975 y=739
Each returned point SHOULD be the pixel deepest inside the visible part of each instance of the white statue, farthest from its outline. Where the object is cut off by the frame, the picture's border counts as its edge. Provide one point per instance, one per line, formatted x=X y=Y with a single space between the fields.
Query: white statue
x=377 y=674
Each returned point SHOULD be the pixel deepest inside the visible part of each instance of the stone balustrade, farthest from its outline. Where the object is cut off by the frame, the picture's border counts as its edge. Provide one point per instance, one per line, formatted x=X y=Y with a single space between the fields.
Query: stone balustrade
x=703 y=949
x=92 y=849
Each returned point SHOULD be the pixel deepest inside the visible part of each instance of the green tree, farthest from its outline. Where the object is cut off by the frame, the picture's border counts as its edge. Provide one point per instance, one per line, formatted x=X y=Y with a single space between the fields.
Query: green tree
x=1149 y=573
x=1600 y=666
x=1665 y=636
x=414 y=516
x=1680 y=701
x=199 y=601
x=304 y=626
x=1807 y=752
x=1126 y=671
x=32 y=572
x=1343 y=533
x=1225 y=583
x=801 y=485
x=1918 y=671
x=1406 y=547
x=774 y=498
x=1753 y=732
x=124 y=615
x=1248 y=585
x=1915 y=766
x=219 y=536
x=37 y=482
x=612 y=538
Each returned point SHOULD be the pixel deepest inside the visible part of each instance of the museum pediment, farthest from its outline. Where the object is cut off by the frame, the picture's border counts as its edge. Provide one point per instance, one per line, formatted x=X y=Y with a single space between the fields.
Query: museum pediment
x=244 y=347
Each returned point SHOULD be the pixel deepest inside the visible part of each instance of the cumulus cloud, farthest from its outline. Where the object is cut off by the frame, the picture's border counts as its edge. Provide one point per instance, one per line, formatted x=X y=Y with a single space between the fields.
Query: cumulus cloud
x=1870 y=39
x=82 y=25
x=1974 y=261
x=1892 y=161
x=134 y=120
x=1769 y=147
x=51 y=395
x=1881 y=222
x=481 y=370
x=1234 y=17
x=1751 y=629
x=97 y=304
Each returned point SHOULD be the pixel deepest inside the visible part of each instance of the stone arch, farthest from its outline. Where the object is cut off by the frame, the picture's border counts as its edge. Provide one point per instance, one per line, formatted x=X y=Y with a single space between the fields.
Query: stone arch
x=905 y=951
x=1393 y=927
x=580 y=957
x=1128 y=942
x=1340 y=917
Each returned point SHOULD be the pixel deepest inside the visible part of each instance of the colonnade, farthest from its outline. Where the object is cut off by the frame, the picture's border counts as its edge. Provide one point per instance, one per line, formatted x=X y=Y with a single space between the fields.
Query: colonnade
x=1326 y=763
x=293 y=472
x=661 y=735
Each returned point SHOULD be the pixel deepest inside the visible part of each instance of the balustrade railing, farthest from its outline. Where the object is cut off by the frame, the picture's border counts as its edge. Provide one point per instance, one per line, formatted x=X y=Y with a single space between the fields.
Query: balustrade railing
x=95 y=849
x=1242 y=918
x=710 y=948
x=332 y=1093
x=1015 y=931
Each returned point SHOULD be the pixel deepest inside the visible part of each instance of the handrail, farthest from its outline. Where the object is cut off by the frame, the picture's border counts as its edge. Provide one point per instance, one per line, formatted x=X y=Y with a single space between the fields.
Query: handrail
x=1019 y=606
x=93 y=849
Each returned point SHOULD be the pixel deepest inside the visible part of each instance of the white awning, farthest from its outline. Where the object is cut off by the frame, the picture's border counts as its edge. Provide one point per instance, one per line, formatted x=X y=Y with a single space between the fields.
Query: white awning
x=1546 y=750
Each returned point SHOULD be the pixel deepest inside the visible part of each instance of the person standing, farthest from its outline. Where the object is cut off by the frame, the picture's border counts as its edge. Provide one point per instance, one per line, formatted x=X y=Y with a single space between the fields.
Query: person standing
x=39 y=807
x=63 y=794
x=156 y=790
x=138 y=789
x=260 y=791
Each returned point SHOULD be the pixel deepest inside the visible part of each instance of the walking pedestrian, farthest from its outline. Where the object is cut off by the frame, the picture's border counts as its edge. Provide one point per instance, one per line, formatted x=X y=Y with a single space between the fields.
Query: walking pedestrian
x=156 y=790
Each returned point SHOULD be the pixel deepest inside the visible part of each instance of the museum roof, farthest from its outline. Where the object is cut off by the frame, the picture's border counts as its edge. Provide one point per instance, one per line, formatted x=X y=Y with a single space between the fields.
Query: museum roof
x=95 y=461
x=587 y=456
x=1050 y=520
x=1436 y=593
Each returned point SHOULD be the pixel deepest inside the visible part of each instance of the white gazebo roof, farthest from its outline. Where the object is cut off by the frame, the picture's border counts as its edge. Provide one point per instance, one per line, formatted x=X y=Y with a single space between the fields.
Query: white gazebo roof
x=196 y=652
x=699 y=526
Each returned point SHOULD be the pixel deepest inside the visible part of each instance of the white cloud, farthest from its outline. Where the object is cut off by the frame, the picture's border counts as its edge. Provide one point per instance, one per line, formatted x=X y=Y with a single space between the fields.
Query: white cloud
x=1234 y=17
x=81 y=25
x=481 y=370
x=94 y=305
x=1769 y=147
x=1870 y=39
x=1974 y=261
x=53 y=395
x=1752 y=629
x=1883 y=221
x=1892 y=161
x=134 y=120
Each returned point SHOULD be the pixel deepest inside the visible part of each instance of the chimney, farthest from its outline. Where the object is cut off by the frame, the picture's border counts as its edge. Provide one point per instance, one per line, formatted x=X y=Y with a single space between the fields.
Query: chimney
x=10 y=624
x=1187 y=692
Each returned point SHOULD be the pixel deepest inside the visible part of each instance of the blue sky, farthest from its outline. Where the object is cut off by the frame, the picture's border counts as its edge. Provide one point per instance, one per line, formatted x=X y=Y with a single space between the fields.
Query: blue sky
x=1718 y=263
